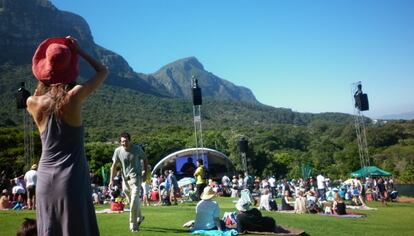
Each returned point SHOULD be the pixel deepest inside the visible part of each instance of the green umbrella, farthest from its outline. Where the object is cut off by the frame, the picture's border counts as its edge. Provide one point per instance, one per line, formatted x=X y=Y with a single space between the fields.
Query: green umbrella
x=306 y=171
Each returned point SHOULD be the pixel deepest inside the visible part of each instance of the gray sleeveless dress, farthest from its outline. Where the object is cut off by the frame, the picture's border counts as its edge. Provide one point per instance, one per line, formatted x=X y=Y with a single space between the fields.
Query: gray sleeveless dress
x=63 y=191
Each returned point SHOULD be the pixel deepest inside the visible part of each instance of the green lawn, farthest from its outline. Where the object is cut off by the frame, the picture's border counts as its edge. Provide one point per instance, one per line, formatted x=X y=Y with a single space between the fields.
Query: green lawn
x=394 y=219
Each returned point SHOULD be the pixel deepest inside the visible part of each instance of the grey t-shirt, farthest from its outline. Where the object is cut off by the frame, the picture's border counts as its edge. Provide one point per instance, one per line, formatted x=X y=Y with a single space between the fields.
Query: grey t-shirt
x=130 y=161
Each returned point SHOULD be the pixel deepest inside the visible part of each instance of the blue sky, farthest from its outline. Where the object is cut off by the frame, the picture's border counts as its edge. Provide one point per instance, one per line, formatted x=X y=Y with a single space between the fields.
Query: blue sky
x=297 y=54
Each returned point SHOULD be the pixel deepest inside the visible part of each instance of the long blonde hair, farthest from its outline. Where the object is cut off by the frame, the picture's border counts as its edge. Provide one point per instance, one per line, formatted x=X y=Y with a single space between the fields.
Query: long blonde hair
x=58 y=93
x=337 y=197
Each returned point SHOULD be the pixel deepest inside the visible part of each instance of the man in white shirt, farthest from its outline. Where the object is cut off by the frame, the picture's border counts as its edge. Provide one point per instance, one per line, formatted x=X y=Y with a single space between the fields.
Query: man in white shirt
x=31 y=177
x=272 y=183
x=320 y=180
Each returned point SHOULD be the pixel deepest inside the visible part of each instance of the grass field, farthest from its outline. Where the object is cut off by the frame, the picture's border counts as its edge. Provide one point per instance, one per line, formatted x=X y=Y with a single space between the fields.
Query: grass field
x=394 y=219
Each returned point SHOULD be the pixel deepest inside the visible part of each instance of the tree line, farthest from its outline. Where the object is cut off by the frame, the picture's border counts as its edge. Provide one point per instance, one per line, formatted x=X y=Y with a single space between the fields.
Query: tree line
x=280 y=151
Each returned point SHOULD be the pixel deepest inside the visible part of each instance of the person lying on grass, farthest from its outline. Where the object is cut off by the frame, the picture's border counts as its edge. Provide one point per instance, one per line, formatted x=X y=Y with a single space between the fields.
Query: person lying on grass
x=251 y=219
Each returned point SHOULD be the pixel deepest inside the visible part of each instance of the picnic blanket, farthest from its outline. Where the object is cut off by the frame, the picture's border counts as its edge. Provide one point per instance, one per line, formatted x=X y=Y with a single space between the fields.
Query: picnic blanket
x=215 y=232
x=280 y=230
x=361 y=207
x=109 y=211
x=351 y=215
x=287 y=212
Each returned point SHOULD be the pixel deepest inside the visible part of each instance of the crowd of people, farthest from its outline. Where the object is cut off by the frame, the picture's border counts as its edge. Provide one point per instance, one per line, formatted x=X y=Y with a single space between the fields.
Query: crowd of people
x=314 y=195
x=20 y=192
x=319 y=194
x=295 y=192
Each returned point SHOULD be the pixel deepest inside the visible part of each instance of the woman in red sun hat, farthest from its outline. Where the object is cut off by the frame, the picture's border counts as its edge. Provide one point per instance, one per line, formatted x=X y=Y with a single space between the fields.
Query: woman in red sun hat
x=63 y=191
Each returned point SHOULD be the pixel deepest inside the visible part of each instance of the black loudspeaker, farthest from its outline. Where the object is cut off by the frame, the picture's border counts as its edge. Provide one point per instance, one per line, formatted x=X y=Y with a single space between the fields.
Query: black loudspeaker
x=197 y=99
x=21 y=97
x=243 y=145
x=364 y=102
x=361 y=101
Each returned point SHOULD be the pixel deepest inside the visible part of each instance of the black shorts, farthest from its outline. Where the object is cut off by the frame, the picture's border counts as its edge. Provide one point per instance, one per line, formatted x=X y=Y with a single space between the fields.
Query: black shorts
x=31 y=191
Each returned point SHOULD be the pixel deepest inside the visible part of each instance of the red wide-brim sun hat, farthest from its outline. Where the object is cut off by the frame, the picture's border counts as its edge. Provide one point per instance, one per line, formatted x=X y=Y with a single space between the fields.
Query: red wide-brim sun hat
x=55 y=62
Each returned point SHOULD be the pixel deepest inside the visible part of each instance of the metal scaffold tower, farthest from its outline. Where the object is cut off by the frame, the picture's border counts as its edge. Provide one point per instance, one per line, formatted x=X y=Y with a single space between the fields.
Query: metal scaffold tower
x=21 y=97
x=198 y=129
x=360 y=105
x=243 y=148
x=28 y=138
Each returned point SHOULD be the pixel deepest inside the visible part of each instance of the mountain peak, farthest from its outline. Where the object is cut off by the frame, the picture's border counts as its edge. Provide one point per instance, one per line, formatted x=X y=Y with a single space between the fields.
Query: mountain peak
x=194 y=62
x=25 y=5
x=187 y=63
x=175 y=79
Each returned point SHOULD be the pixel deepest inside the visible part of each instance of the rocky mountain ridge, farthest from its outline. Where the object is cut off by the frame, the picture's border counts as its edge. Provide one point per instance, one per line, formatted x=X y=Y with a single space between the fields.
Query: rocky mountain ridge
x=25 y=23
x=173 y=79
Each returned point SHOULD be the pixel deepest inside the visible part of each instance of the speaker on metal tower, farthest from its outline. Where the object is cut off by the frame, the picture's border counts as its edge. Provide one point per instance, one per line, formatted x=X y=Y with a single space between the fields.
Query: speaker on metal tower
x=197 y=98
x=361 y=101
x=21 y=96
x=243 y=145
x=364 y=102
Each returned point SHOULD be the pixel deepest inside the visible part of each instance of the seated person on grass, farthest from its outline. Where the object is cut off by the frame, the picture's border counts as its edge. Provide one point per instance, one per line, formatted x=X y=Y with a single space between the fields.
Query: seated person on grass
x=285 y=202
x=234 y=191
x=311 y=202
x=265 y=200
x=164 y=196
x=252 y=219
x=5 y=202
x=300 y=203
x=338 y=206
x=208 y=212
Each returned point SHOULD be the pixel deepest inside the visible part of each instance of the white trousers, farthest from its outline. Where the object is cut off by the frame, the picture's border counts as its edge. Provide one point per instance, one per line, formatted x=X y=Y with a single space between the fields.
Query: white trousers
x=132 y=190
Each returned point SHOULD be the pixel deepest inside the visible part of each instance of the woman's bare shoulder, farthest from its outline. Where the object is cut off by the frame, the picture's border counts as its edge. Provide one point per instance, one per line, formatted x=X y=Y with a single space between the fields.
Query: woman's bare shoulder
x=37 y=106
x=35 y=103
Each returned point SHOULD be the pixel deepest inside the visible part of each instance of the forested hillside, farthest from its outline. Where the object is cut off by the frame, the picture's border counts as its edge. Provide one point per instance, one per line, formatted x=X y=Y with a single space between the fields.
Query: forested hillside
x=280 y=140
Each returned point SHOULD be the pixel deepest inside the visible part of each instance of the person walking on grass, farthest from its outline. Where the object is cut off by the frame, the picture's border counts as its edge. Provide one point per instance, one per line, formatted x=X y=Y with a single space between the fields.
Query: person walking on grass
x=173 y=188
x=132 y=158
x=31 y=178
x=382 y=191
